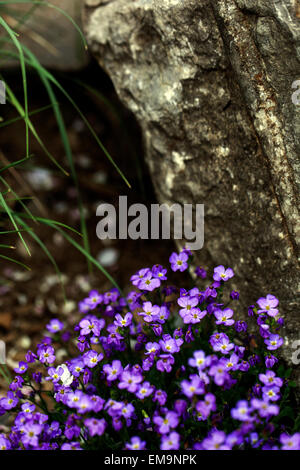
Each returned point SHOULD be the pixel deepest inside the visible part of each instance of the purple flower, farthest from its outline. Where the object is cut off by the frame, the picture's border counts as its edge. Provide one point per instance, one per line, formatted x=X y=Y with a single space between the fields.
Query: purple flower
x=9 y=402
x=210 y=401
x=135 y=444
x=54 y=326
x=234 y=439
x=264 y=408
x=273 y=342
x=46 y=355
x=144 y=390
x=113 y=371
x=30 y=434
x=90 y=326
x=152 y=348
x=204 y=407
x=77 y=367
x=148 y=282
x=202 y=411
x=163 y=314
x=223 y=344
x=114 y=337
x=4 y=443
x=111 y=296
x=84 y=404
x=222 y=274
x=199 y=360
x=165 y=362
x=216 y=337
x=126 y=410
x=224 y=317
x=97 y=403
x=193 y=387
x=157 y=329
x=132 y=300
x=270 y=361
x=37 y=377
x=280 y=321
x=219 y=373
x=71 y=446
x=188 y=305
x=16 y=383
x=148 y=362
x=290 y=442
x=123 y=322
x=170 y=421
x=94 y=299
x=160 y=396
x=256 y=390
x=170 y=442
x=130 y=381
x=150 y=312
x=72 y=399
x=271 y=393
x=91 y=358
x=254 y=359
x=254 y=440
x=215 y=441
x=232 y=363
x=268 y=305
x=170 y=345
x=195 y=316
x=83 y=307
x=251 y=311
x=30 y=357
x=200 y=272
x=55 y=374
x=179 y=262
x=234 y=295
x=22 y=368
x=159 y=272
x=269 y=378
x=82 y=343
x=136 y=278
x=240 y=326
x=241 y=412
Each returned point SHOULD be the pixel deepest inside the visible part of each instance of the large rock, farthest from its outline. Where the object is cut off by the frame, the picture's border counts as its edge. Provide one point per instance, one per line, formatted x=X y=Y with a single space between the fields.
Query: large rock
x=49 y=34
x=210 y=83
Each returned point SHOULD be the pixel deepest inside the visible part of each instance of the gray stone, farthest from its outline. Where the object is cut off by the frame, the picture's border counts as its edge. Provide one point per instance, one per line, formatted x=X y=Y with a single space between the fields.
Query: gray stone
x=210 y=84
x=49 y=34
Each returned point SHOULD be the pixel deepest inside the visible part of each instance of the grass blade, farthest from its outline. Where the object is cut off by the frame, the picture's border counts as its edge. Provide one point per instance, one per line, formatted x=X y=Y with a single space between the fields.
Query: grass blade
x=9 y=213
x=49 y=5
x=18 y=162
x=20 y=110
x=31 y=113
x=18 y=46
x=15 y=261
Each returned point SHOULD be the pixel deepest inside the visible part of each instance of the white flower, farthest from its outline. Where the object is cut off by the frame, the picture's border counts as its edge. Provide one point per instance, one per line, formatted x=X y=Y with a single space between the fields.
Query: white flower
x=66 y=378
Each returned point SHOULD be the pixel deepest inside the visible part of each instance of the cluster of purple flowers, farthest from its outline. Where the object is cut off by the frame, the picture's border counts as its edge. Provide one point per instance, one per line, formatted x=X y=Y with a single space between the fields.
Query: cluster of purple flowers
x=160 y=368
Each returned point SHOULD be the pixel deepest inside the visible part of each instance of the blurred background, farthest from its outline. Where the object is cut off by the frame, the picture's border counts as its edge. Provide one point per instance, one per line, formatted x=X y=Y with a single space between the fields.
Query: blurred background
x=54 y=146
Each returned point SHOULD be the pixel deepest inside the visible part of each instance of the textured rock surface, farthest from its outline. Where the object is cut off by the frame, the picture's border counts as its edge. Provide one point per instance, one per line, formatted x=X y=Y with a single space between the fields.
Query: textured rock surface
x=49 y=34
x=210 y=83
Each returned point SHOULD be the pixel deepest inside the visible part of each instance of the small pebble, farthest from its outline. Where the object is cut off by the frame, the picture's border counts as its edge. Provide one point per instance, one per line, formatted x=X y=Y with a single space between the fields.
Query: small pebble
x=108 y=257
